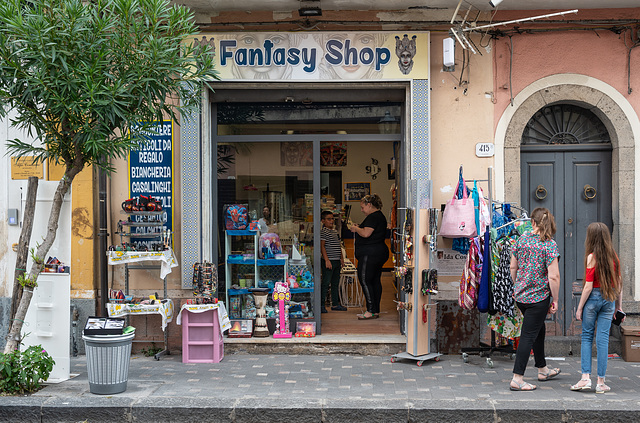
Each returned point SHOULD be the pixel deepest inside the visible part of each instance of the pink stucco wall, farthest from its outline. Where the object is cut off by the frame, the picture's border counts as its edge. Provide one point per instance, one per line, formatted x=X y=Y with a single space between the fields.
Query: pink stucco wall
x=600 y=54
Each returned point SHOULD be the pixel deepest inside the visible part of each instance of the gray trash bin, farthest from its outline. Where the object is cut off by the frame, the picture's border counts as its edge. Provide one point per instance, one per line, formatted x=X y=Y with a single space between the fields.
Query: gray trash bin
x=108 y=362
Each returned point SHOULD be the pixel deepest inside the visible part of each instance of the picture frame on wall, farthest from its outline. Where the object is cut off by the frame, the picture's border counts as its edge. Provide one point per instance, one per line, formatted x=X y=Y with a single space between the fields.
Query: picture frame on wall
x=356 y=191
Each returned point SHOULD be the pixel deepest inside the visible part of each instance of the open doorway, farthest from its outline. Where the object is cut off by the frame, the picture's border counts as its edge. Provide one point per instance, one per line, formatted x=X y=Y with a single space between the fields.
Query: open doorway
x=368 y=168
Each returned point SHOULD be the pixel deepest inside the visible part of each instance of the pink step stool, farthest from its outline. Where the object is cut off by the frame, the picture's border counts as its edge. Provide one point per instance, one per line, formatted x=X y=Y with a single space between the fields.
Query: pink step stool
x=202 y=341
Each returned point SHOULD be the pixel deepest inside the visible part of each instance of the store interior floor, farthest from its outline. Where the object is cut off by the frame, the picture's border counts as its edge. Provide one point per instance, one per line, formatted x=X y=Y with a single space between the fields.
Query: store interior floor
x=347 y=323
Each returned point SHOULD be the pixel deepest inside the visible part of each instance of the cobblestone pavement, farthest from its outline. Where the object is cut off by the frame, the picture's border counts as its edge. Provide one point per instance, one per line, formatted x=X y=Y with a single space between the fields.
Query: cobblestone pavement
x=273 y=388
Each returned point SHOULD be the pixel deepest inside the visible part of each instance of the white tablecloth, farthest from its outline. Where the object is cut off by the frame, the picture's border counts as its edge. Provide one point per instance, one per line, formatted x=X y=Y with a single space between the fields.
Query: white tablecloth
x=167 y=257
x=164 y=309
x=223 y=317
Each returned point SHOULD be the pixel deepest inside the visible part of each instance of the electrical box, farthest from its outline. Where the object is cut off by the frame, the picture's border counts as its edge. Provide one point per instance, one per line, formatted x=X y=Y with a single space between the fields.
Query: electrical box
x=13 y=217
x=448 y=52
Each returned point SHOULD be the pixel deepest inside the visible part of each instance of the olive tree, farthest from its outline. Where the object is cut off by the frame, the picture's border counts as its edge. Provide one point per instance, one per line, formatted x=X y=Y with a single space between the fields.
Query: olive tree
x=86 y=79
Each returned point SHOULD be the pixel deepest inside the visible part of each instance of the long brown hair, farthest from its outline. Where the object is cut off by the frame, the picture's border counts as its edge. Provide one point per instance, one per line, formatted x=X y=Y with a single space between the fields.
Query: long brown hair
x=545 y=222
x=598 y=242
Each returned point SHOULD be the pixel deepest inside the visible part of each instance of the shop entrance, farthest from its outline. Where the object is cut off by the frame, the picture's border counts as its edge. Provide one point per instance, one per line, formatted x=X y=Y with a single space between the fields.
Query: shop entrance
x=566 y=167
x=288 y=162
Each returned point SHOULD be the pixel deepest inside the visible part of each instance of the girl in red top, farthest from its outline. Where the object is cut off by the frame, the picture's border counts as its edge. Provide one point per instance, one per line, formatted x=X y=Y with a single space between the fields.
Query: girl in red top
x=601 y=296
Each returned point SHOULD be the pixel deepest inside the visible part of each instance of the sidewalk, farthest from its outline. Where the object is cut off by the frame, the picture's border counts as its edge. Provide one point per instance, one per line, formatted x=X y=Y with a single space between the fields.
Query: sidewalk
x=331 y=388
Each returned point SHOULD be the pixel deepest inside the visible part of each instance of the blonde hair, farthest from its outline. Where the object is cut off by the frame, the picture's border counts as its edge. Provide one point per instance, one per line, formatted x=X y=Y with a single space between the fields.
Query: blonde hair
x=373 y=199
x=598 y=242
x=545 y=222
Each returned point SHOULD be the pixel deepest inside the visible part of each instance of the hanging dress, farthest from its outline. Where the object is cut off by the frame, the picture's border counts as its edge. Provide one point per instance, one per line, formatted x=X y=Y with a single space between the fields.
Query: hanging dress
x=503 y=286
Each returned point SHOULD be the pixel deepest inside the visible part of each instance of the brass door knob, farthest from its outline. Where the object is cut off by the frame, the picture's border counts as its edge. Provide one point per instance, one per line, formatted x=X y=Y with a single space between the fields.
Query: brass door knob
x=589 y=192
x=541 y=192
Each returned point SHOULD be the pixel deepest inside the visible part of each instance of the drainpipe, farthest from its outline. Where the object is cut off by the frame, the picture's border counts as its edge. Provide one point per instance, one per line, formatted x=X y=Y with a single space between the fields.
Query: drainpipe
x=75 y=316
x=102 y=236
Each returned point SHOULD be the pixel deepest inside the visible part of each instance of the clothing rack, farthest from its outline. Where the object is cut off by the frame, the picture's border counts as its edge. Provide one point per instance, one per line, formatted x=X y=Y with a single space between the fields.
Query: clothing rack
x=484 y=349
x=520 y=219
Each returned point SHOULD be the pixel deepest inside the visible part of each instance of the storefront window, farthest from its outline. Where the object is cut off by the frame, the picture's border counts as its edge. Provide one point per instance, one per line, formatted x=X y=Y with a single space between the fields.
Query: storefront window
x=312 y=118
x=274 y=182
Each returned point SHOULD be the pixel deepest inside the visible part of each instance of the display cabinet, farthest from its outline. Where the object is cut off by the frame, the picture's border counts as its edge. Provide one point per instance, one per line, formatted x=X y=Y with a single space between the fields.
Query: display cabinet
x=244 y=269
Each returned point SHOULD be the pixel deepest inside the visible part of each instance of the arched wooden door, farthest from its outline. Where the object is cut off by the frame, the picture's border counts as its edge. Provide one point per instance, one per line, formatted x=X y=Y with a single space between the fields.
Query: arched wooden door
x=566 y=167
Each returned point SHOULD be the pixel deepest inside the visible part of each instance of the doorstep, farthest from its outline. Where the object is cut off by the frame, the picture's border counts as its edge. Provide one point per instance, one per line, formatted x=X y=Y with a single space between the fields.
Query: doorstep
x=319 y=345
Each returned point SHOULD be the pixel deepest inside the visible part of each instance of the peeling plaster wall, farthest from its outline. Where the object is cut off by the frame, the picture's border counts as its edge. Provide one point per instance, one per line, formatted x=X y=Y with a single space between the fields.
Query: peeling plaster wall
x=461 y=116
x=590 y=69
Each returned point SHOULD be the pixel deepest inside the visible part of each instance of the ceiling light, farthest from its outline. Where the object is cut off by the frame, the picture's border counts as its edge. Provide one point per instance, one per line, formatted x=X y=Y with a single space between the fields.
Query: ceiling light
x=310 y=11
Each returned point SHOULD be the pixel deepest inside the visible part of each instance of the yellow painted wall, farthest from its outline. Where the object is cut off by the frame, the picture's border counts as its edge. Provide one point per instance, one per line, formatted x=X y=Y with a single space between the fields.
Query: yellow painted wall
x=84 y=230
x=459 y=120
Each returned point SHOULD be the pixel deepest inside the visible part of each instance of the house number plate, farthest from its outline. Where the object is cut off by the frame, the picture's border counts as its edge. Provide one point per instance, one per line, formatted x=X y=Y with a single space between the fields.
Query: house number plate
x=484 y=149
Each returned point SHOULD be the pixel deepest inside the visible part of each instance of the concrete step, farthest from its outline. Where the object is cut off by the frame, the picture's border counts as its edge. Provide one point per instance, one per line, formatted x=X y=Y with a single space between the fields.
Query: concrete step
x=380 y=345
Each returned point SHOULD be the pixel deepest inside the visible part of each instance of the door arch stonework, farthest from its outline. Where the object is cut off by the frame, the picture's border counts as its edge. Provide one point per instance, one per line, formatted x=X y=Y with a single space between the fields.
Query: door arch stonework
x=560 y=88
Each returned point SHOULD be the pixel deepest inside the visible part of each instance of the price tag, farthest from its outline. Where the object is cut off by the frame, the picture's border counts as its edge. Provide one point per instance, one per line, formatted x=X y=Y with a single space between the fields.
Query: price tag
x=484 y=149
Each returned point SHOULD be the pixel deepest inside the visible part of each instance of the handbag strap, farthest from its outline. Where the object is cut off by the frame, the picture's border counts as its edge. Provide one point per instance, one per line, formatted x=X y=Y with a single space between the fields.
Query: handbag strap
x=464 y=190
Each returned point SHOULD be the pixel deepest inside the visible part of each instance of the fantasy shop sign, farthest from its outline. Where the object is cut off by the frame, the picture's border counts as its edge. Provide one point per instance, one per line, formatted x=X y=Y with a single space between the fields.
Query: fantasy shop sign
x=319 y=56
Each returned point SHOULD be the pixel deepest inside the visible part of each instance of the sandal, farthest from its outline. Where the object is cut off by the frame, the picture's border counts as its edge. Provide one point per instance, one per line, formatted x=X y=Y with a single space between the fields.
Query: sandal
x=549 y=375
x=524 y=386
x=601 y=388
x=585 y=387
x=365 y=317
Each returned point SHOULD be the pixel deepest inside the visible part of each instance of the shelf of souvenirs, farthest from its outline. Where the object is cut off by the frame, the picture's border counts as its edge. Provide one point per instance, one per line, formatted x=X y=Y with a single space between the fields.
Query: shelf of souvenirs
x=249 y=259
x=143 y=224
x=142 y=213
x=241 y=291
x=142 y=235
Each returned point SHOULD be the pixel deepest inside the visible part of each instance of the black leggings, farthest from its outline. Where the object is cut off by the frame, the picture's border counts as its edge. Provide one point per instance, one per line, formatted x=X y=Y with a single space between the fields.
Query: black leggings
x=532 y=335
x=369 y=273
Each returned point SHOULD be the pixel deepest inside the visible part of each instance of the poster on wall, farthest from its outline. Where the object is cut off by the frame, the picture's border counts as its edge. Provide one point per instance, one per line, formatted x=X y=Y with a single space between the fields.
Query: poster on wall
x=356 y=191
x=151 y=175
x=296 y=153
x=450 y=262
x=333 y=153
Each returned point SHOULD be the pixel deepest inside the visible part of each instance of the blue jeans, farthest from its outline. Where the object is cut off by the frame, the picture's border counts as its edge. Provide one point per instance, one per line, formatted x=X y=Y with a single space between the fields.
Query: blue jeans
x=596 y=309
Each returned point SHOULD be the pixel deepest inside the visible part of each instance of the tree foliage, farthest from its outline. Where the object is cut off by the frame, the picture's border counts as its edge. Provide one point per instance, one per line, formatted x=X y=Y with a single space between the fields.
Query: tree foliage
x=87 y=79
x=80 y=75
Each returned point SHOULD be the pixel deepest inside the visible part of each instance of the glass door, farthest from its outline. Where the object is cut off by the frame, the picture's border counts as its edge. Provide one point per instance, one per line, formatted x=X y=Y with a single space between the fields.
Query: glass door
x=275 y=182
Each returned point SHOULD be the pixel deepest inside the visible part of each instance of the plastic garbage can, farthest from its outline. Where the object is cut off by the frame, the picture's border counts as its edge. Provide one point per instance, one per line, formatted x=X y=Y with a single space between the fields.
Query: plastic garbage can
x=108 y=362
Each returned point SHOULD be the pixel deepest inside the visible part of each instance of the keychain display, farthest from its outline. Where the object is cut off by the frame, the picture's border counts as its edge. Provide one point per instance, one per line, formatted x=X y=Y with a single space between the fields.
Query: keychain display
x=433 y=229
x=205 y=281
x=406 y=236
x=407 y=285
x=429 y=282
x=403 y=305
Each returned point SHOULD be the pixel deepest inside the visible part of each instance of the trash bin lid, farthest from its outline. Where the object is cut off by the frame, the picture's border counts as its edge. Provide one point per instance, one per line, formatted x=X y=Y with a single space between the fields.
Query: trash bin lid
x=107 y=339
x=630 y=330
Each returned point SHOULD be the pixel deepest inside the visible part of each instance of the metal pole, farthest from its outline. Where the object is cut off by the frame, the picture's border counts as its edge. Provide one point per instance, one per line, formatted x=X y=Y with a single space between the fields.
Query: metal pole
x=102 y=237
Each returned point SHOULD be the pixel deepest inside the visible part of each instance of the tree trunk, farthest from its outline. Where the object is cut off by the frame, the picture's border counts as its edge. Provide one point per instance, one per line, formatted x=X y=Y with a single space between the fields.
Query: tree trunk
x=23 y=244
x=13 y=339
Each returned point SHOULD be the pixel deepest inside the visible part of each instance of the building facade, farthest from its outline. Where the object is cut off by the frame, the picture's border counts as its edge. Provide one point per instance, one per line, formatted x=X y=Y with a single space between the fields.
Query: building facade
x=297 y=123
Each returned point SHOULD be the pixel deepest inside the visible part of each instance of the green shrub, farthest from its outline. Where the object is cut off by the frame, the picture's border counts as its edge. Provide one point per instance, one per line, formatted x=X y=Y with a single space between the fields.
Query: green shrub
x=22 y=371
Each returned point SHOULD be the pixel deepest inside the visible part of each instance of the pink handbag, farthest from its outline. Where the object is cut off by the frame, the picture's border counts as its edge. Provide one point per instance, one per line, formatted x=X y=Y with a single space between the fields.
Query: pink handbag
x=459 y=219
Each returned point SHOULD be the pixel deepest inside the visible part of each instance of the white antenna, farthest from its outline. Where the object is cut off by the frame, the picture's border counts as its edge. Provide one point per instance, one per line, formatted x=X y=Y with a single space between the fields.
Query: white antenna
x=533 y=18
x=464 y=27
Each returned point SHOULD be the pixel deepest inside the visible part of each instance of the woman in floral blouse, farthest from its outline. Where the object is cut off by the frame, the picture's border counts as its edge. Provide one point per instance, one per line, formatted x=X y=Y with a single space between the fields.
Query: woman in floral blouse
x=534 y=268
